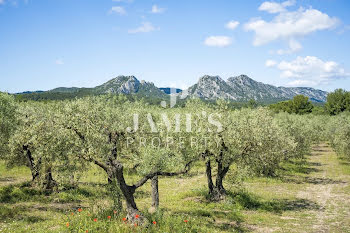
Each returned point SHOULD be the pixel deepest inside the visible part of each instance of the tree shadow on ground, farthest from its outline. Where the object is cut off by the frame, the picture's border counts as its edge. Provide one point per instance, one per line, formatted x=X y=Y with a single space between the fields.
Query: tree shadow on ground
x=22 y=202
x=7 y=179
x=310 y=180
x=18 y=193
x=319 y=149
x=225 y=214
x=30 y=207
x=24 y=192
x=139 y=194
x=301 y=166
x=250 y=201
x=344 y=161
x=230 y=226
x=217 y=219
x=323 y=181
x=93 y=184
x=18 y=214
x=55 y=207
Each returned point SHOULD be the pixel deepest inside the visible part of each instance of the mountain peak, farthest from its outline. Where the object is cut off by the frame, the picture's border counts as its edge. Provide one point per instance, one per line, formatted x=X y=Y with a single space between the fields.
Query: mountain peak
x=129 y=85
x=211 y=87
x=120 y=84
x=243 y=88
x=122 y=78
x=243 y=79
x=206 y=78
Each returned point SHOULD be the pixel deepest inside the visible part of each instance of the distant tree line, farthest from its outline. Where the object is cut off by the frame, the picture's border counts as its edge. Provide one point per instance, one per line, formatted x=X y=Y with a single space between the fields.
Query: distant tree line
x=299 y=105
x=337 y=102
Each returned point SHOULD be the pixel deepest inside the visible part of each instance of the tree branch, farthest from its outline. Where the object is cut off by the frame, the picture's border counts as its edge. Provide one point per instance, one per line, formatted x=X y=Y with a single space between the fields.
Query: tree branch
x=100 y=164
x=80 y=135
x=143 y=180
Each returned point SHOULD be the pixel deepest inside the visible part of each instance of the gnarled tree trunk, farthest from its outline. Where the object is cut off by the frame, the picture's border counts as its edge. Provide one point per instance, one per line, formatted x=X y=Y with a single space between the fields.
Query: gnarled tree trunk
x=217 y=192
x=34 y=168
x=209 y=177
x=134 y=216
x=49 y=183
x=155 y=195
x=116 y=193
x=155 y=192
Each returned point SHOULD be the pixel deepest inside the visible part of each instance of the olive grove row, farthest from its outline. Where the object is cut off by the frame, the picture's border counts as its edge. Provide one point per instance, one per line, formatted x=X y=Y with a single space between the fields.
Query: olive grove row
x=57 y=140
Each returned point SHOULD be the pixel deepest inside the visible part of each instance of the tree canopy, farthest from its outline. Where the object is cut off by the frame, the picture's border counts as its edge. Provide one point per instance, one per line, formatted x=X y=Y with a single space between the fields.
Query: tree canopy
x=8 y=120
x=338 y=101
x=300 y=104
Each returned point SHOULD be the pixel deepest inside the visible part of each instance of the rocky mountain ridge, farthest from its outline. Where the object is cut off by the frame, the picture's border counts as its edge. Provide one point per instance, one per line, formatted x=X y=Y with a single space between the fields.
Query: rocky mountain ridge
x=243 y=88
x=240 y=88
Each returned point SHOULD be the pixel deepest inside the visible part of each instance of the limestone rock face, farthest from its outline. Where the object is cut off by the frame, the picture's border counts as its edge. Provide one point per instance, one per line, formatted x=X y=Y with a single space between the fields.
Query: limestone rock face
x=130 y=85
x=243 y=88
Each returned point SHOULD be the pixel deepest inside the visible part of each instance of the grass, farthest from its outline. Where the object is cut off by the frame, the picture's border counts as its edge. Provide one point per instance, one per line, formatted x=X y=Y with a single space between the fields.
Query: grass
x=305 y=196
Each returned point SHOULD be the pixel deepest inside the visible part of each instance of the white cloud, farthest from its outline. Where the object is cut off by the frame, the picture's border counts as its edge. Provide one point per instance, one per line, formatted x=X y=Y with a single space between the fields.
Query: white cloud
x=118 y=10
x=270 y=63
x=157 y=10
x=302 y=83
x=2 y=2
x=310 y=71
x=274 y=7
x=59 y=62
x=218 y=41
x=288 y=25
x=145 y=27
x=232 y=25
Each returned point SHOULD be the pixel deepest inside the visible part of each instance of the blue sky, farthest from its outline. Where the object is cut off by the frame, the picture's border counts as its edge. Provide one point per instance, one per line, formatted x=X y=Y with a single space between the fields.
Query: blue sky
x=47 y=44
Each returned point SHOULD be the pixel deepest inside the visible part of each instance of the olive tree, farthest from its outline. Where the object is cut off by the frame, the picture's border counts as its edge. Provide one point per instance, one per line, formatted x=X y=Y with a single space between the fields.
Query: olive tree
x=211 y=125
x=339 y=134
x=245 y=137
x=8 y=121
x=40 y=143
x=116 y=134
x=302 y=129
x=259 y=142
x=173 y=149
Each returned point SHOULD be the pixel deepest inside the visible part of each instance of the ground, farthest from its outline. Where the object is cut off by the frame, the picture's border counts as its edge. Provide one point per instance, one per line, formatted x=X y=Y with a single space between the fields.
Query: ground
x=309 y=196
x=316 y=198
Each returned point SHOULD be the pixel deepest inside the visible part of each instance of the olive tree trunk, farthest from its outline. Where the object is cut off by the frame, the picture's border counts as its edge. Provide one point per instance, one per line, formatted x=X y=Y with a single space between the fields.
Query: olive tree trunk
x=155 y=195
x=134 y=216
x=49 y=183
x=155 y=192
x=217 y=192
x=34 y=168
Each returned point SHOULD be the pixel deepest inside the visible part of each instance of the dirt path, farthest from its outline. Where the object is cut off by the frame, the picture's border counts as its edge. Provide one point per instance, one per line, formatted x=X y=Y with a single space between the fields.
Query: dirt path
x=314 y=198
x=329 y=188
